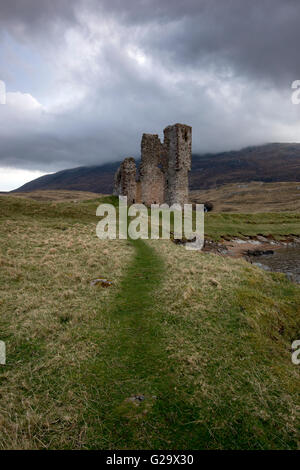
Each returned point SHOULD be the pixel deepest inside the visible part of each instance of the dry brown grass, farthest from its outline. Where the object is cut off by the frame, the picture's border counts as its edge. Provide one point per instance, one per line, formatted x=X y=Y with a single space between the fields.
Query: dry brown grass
x=58 y=195
x=252 y=197
x=48 y=310
x=230 y=327
x=225 y=329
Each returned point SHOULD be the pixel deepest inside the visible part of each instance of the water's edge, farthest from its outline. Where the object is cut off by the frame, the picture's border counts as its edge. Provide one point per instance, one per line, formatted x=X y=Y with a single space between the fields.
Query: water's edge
x=265 y=252
x=285 y=260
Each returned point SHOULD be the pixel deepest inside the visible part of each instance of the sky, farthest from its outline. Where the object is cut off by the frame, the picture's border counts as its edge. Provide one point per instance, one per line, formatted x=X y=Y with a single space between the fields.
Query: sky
x=83 y=79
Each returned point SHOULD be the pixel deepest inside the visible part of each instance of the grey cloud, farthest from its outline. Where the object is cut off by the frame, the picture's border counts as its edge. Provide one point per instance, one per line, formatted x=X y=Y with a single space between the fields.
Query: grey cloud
x=258 y=37
x=27 y=17
x=252 y=45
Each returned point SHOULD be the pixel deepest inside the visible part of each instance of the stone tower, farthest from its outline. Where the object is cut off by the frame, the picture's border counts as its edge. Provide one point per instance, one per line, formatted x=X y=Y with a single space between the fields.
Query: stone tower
x=163 y=172
x=151 y=175
x=125 y=180
x=177 y=163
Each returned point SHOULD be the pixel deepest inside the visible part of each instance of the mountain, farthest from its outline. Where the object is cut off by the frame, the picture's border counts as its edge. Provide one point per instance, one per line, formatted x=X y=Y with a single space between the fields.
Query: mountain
x=269 y=163
x=96 y=179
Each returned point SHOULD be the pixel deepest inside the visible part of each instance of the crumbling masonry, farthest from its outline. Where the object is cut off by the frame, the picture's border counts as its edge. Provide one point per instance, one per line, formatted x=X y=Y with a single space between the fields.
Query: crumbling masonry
x=151 y=174
x=125 y=180
x=163 y=172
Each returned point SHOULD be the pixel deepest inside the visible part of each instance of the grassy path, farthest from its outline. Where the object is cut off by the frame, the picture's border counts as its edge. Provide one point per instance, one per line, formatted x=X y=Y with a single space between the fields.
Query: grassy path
x=134 y=361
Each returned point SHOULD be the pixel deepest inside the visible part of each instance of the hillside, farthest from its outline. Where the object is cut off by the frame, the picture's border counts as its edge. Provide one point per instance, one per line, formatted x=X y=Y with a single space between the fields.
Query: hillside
x=251 y=197
x=95 y=179
x=268 y=163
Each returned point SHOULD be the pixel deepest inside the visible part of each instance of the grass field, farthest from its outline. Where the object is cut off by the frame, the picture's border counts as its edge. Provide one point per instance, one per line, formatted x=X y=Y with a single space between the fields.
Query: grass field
x=278 y=224
x=206 y=339
x=58 y=195
x=254 y=197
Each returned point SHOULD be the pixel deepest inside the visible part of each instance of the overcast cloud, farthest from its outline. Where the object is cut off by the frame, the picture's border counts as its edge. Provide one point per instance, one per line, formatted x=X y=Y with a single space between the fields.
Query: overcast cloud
x=84 y=79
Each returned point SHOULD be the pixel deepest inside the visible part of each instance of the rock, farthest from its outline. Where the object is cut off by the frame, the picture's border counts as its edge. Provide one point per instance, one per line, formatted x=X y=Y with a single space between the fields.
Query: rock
x=182 y=241
x=262 y=266
x=261 y=238
x=254 y=242
x=136 y=399
x=178 y=241
x=259 y=252
x=101 y=282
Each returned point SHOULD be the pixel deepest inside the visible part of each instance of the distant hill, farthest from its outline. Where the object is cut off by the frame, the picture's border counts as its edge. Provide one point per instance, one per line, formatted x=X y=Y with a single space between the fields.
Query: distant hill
x=95 y=179
x=251 y=197
x=269 y=163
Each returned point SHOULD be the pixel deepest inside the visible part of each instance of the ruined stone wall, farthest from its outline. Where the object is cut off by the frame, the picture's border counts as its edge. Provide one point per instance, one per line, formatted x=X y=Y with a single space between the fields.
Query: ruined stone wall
x=138 y=196
x=178 y=157
x=151 y=174
x=163 y=170
x=117 y=182
x=125 y=180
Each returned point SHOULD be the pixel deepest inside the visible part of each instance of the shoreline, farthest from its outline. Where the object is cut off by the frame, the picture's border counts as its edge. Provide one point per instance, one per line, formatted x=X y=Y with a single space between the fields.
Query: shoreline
x=248 y=246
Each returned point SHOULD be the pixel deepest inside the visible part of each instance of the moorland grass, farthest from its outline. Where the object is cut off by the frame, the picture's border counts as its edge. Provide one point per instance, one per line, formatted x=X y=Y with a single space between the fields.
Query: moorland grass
x=279 y=225
x=229 y=329
x=49 y=253
x=252 y=197
x=205 y=338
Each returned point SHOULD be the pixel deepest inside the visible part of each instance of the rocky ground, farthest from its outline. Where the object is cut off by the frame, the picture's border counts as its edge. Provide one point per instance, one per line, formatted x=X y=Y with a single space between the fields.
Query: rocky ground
x=264 y=252
x=249 y=246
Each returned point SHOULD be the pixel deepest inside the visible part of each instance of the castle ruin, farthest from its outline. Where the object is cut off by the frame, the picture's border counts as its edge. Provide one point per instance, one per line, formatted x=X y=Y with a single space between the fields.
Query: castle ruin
x=163 y=172
x=125 y=180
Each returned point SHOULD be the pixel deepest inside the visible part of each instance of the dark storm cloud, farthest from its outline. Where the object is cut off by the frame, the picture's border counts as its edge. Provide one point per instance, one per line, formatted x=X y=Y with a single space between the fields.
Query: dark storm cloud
x=253 y=38
x=258 y=37
x=24 y=18
x=225 y=67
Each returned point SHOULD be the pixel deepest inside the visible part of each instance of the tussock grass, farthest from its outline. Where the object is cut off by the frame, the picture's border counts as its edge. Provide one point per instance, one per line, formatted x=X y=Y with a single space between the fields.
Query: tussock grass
x=252 y=197
x=58 y=195
x=279 y=225
x=48 y=255
x=229 y=329
x=206 y=339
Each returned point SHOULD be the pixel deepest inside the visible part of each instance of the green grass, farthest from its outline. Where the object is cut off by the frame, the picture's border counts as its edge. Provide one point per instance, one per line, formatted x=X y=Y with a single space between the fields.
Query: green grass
x=230 y=328
x=205 y=338
x=235 y=344
x=252 y=197
x=134 y=360
x=21 y=209
x=278 y=225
